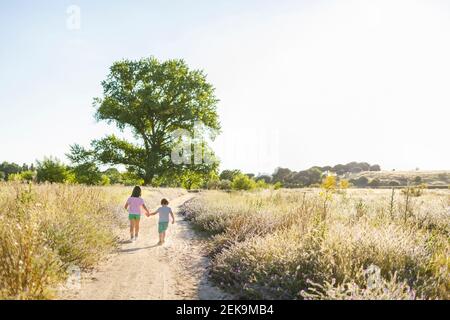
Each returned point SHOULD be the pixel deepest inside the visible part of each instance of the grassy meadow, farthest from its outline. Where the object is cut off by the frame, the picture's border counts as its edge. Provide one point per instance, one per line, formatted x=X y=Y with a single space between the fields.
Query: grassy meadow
x=46 y=229
x=309 y=244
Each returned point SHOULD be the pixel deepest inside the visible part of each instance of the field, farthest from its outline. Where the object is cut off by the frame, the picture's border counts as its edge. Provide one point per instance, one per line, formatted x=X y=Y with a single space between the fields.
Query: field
x=45 y=230
x=267 y=244
x=307 y=244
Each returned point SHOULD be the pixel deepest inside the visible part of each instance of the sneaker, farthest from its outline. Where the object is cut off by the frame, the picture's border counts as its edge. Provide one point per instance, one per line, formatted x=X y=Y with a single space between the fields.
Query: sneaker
x=132 y=239
x=135 y=238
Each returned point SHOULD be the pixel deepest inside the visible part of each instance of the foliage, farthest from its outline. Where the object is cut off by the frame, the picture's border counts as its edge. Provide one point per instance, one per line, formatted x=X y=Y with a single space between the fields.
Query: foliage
x=242 y=182
x=225 y=185
x=153 y=99
x=24 y=176
x=374 y=183
x=51 y=170
x=130 y=179
x=87 y=173
x=114 y=175
x=277 y=185
x=9 y=168
x=360 y=182
x=229 y=174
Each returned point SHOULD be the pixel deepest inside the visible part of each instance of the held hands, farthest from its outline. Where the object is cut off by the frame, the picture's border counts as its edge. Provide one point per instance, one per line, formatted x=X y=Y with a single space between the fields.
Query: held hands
x=148 y=213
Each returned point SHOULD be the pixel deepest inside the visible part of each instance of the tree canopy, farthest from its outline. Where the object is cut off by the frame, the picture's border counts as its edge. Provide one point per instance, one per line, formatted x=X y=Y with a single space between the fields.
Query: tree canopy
x=154 y=99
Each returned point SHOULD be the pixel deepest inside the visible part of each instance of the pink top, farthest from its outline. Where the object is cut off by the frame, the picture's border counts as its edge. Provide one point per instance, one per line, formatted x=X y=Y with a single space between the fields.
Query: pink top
x=134 y=205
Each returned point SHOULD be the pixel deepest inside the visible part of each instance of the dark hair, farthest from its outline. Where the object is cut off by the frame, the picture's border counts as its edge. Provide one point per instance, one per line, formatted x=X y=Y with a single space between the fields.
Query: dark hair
x=164 y=202
x=136 y=192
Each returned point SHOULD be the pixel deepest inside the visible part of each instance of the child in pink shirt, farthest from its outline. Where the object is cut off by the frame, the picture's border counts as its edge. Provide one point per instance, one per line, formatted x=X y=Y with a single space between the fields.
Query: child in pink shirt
x=134 y=206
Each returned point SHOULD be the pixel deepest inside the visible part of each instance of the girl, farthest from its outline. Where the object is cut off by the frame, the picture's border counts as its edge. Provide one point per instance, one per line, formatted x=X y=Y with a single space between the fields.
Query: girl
x=163 y=224
x=134 y=205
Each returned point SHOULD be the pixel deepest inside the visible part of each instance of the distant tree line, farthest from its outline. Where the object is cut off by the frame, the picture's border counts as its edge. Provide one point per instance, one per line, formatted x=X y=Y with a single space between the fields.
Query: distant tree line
x=85 y=171
x=52 y=170
x=314 y=175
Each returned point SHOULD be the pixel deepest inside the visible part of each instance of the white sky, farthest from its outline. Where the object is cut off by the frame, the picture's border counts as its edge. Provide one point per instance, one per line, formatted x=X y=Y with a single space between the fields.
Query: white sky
x=301 y=84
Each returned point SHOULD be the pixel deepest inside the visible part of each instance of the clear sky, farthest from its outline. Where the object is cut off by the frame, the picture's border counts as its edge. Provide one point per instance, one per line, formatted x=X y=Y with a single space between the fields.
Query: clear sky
x=301 y=83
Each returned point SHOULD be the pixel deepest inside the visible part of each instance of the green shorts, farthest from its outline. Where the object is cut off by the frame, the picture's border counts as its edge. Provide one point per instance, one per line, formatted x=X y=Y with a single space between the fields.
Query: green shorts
x=132 y=216
x=162 y=226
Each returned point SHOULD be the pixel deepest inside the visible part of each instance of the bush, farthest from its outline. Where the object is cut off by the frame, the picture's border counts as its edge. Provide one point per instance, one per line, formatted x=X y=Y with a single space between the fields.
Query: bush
x=261 y=184
x=87 y=173
x=374 y=183
x=130 y=179
x=277 y=186
x=393 y=183
x=51 y=170
x=242 y=182
x=225 y=185
x=114 y=175
x=229 y=174
x=418 y=180
x=360 y=182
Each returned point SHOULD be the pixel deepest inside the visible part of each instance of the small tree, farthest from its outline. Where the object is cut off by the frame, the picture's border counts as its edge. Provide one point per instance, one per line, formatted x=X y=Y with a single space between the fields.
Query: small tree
x=242 y=182
x=51 y=170
x=130 y=179
x=361 y=182
x=418 y=180
x=261 y=184
x=229 y=174
x=278 y=185
x=9 y=168
x=114 y=175
x=87 y=173
x=375 y=183
x=225 y=185
x=191 y=180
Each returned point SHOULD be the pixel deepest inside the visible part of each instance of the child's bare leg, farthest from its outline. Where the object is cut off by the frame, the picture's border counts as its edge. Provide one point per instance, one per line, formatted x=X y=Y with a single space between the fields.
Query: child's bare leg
x=136 y=228
x=131 y=228
x=163 y=236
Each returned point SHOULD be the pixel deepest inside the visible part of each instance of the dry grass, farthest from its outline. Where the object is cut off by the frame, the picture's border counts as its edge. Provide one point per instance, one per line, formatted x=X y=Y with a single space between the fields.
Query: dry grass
x=47 y=229
x=279 y=245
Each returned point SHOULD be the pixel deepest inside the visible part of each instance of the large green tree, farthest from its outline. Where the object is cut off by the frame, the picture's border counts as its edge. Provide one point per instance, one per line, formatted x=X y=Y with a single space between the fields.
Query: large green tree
x=153 y=99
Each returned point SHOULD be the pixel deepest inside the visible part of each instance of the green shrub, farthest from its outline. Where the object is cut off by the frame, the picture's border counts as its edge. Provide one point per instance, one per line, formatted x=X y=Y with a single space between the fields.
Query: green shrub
x=277 y=186
x=225 y=185
x=130 y=179
x=242 y=182
x=51 y=170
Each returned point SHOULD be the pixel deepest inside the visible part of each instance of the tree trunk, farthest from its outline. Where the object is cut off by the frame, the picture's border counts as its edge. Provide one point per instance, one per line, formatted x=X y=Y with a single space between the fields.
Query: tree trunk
x=148 y=178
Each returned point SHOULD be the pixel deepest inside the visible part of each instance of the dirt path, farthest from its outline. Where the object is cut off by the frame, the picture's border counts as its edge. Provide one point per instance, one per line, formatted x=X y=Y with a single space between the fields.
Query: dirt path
x=143 y=270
